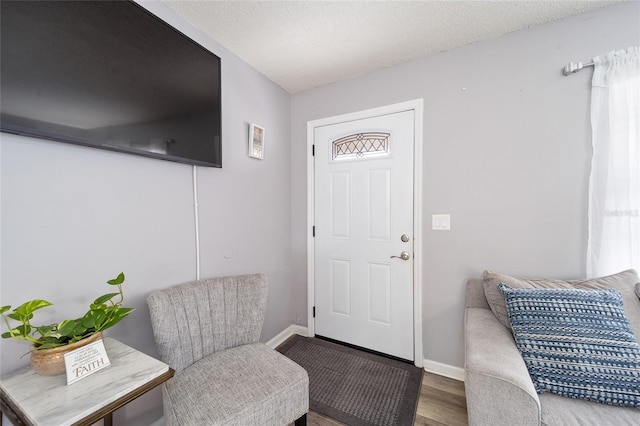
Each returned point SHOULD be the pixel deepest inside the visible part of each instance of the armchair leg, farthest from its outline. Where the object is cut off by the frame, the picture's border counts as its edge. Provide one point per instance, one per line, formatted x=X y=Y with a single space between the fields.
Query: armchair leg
x=302 y=421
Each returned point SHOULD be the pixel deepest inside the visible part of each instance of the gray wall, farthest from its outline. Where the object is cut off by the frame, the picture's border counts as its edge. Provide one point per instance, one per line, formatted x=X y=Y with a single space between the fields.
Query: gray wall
x=506 y=153
x=73 y=217
x=507 y=157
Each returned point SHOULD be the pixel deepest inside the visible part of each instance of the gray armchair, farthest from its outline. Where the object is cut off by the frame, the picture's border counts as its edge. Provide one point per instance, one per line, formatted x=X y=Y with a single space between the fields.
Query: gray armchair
x=208 y=332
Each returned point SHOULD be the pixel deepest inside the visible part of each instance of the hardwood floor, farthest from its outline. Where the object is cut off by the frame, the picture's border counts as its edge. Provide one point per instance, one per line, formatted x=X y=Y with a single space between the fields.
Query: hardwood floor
x=442 y=403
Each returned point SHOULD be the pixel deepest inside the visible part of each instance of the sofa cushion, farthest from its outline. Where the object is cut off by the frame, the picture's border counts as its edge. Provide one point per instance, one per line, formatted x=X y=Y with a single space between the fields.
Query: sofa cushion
x=556 y=410
x=576 y=343
x=622 y=281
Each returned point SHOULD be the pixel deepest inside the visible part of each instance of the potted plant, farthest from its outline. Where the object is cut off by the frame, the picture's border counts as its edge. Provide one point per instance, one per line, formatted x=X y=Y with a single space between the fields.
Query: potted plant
x=51 y=342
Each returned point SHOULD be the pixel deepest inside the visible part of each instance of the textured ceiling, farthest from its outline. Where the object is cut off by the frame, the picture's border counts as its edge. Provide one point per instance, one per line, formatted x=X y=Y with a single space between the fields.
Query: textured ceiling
x=305 y=44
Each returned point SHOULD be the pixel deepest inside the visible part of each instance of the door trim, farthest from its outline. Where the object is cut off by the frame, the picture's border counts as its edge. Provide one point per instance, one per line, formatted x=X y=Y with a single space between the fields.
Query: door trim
x=415 y=105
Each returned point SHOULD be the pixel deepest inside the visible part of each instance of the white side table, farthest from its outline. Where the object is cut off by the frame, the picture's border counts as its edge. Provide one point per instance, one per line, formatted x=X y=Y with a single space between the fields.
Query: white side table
x=30 y=399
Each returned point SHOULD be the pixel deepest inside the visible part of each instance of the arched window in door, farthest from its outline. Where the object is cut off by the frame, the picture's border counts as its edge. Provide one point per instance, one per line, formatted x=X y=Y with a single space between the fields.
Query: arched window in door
x=360 y=145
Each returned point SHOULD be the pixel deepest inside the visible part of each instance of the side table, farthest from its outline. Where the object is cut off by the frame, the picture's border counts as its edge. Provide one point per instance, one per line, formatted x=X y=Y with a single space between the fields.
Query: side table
x=27 y=398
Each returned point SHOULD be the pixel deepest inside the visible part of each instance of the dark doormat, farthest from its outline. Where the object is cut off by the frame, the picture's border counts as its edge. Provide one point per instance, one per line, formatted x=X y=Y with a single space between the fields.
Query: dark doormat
x=355 y=387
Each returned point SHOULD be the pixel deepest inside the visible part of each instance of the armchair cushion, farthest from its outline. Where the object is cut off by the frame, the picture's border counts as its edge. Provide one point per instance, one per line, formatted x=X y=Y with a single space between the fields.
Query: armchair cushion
x=245 y=385
x=576 y=343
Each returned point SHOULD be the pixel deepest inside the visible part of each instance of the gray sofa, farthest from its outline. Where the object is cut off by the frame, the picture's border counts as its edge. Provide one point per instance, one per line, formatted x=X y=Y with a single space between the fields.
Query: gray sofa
x=498 y=386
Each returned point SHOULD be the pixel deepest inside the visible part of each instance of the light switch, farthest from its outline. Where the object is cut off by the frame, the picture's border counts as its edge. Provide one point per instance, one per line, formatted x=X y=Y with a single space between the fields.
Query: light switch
x=441 y=222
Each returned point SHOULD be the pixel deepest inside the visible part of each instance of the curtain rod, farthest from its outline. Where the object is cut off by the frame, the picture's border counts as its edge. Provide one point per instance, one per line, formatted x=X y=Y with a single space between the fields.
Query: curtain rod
x=573 y=67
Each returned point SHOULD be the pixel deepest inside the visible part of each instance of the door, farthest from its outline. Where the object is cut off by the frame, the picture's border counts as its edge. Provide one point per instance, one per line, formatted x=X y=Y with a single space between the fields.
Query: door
x=363 y=245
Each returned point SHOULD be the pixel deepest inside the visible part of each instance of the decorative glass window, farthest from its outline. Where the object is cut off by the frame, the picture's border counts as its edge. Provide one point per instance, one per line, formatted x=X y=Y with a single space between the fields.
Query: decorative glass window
x=360 y=145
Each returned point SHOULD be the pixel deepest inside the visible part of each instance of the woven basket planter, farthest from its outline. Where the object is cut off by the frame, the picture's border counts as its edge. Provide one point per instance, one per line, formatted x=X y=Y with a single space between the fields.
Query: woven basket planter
x=50 y=362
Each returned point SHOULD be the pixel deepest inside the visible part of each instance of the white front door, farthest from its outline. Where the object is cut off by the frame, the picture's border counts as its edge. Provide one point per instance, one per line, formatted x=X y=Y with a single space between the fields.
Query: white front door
x=364 y=236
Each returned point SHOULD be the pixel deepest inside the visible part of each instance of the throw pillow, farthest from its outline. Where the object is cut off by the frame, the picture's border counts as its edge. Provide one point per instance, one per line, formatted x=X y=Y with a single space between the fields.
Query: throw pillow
x=638 y=290
x=490 y=280
x=576 y=343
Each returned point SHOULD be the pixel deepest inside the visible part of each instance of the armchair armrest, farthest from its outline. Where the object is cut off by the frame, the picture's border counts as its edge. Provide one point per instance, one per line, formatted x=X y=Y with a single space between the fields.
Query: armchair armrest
x=498 y=386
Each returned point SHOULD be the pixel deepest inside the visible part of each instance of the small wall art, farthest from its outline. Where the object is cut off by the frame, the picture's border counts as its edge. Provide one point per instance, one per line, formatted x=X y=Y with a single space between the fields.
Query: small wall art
x=256 y=141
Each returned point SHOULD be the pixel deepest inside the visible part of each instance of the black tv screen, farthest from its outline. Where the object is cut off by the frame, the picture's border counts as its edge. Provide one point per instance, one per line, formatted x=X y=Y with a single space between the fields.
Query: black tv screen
x=108 y=74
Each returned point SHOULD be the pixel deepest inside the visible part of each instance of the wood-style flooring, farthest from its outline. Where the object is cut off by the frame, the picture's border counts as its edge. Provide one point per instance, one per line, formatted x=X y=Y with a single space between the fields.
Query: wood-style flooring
x=442 y=403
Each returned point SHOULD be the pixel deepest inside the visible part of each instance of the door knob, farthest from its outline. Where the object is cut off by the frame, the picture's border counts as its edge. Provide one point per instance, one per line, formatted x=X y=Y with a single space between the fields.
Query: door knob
x=404 y=256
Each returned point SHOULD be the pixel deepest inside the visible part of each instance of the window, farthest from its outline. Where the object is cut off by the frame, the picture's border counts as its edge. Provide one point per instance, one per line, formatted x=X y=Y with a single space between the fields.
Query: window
x=360 y=145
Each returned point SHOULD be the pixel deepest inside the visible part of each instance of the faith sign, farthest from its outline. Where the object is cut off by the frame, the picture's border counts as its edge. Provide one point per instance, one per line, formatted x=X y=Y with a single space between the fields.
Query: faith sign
x=85 y=361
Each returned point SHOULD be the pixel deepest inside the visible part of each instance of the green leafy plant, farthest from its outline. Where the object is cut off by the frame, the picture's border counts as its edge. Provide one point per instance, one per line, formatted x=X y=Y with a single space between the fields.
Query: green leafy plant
x=104 y=312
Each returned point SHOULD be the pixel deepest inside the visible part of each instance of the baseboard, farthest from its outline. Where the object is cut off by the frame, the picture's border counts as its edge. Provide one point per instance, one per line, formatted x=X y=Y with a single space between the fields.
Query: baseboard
x=445 y=370
x=285 y=334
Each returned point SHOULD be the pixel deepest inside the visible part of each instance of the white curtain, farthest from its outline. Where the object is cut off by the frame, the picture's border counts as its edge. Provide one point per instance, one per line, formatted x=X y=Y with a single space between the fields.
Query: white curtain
x=614 y=185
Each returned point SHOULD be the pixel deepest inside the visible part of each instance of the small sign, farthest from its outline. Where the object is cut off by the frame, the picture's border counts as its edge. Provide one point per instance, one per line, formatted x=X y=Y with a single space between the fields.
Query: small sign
x=85 y=361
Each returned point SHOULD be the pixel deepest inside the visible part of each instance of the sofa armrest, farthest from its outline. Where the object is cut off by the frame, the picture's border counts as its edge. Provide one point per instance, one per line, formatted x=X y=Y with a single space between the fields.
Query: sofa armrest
x=498 y=386
x=474 y=294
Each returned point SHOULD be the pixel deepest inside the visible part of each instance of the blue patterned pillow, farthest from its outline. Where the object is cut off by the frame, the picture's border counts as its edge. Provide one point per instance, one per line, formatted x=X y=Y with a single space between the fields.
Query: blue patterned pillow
x=576 y=343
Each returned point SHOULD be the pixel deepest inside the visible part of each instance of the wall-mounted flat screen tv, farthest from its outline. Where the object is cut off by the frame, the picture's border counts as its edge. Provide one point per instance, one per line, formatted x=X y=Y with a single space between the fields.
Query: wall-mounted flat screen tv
x=108 y=74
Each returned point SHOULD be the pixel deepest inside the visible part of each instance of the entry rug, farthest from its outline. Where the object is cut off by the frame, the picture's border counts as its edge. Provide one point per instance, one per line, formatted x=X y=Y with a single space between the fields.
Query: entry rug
x=356 y=387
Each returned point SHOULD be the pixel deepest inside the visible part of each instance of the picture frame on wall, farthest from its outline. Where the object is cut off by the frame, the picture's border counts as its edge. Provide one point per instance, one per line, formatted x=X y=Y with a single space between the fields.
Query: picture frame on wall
x=256 y=141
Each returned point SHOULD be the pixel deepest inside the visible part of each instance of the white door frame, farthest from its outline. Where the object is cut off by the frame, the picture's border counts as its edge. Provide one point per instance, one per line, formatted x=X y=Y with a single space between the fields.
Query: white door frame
x=415 y=105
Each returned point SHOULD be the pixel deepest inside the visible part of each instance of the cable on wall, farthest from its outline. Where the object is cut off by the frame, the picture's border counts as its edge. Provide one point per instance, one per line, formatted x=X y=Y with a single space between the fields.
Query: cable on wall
x=197 y=226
